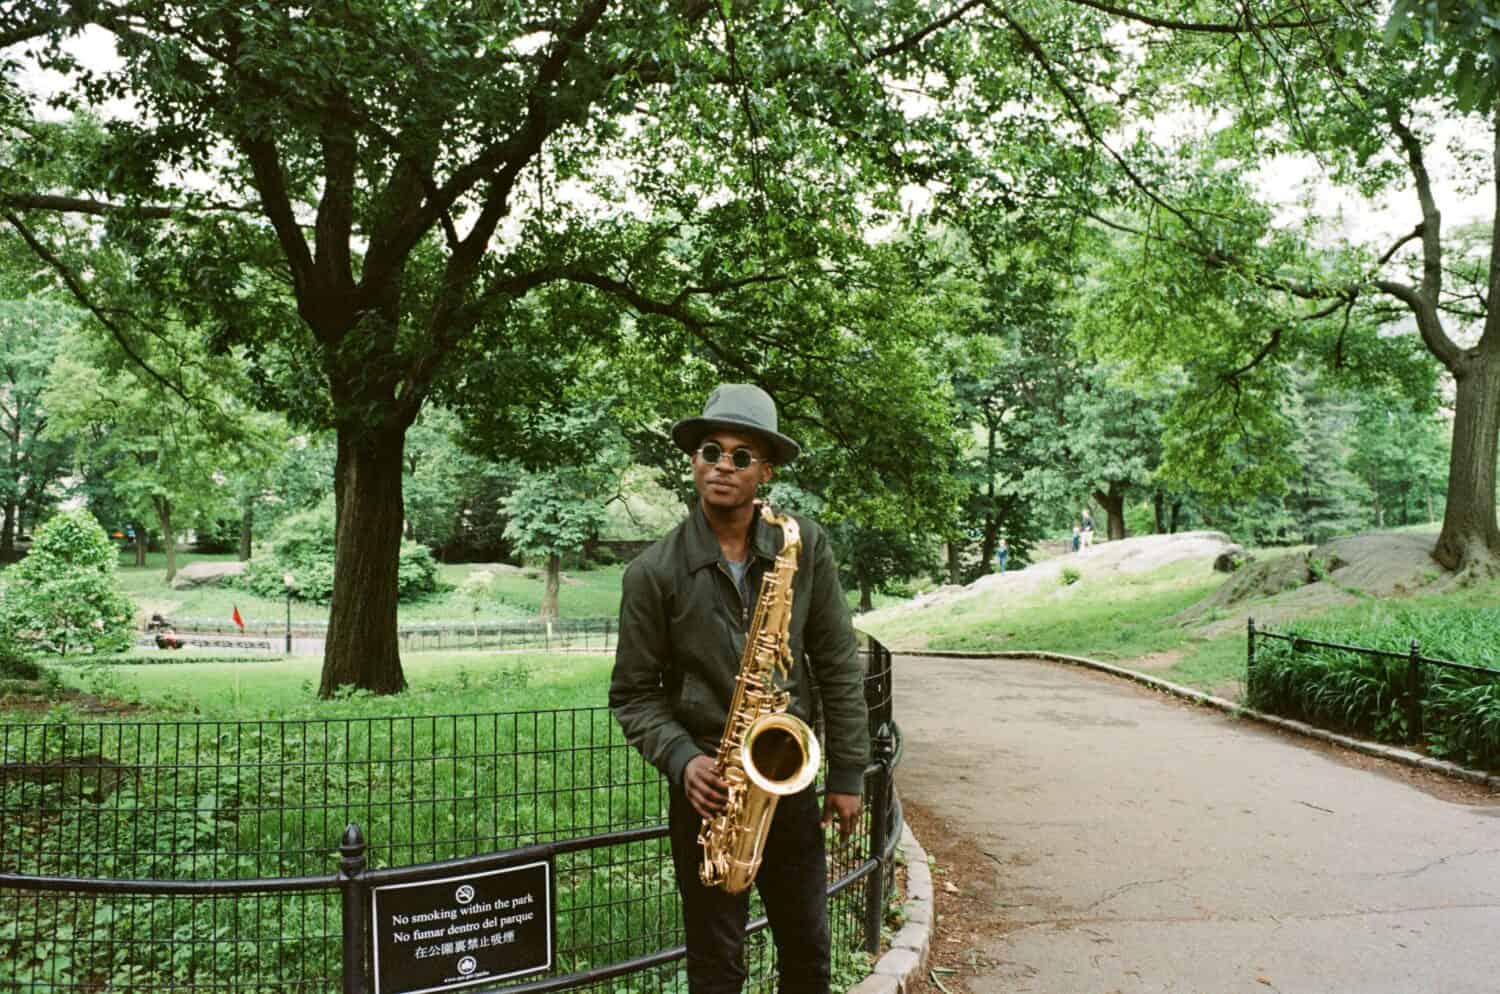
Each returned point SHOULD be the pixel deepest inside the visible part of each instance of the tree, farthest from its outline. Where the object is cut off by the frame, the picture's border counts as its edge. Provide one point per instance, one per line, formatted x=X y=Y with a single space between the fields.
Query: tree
x=1368 y=99
x=454 y=498
x=32 y=462
x=160 y=454
x=1400 y=452
x=551 y=513
x=389 y=182
x=63 y=597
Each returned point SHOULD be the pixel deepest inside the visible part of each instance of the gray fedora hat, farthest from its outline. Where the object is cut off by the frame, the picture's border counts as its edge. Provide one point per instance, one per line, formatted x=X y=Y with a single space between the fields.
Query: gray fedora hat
x=737 y=407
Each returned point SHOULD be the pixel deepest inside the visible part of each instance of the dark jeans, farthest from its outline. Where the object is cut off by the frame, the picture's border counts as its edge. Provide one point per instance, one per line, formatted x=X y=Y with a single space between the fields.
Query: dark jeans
x=793 y=886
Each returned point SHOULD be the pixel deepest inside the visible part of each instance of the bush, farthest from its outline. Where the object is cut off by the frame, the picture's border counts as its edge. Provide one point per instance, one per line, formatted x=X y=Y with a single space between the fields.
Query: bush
x=17 y=664
x=1070 y=575
x=63 y=597
x=303 y=545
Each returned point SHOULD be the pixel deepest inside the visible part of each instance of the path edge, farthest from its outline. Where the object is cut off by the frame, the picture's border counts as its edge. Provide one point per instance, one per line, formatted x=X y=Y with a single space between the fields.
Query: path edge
x=1378 y=749
x=906 y=958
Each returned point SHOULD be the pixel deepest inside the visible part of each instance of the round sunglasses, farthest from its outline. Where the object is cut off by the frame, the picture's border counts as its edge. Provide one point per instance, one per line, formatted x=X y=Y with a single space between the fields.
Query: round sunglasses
x=741 y=458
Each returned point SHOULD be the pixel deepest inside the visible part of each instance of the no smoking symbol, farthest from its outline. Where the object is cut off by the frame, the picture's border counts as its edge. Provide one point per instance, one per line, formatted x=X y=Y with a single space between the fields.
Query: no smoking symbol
x=465 y=894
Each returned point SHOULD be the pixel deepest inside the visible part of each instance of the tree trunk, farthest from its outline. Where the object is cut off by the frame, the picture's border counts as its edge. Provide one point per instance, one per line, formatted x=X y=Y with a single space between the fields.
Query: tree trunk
x=1113 y=504
x=549 y=591
x=1159 y=505
x=866 y=596
x=1176 y=515
x=8 y=530
x=1470 y=536
x=362 y=648
x=168 y=537
x=140 y=547
x=247 y=530
x=955 y=574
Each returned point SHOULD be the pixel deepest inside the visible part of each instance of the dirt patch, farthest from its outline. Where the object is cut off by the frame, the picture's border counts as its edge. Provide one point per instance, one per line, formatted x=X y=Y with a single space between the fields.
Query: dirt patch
x=1155 y=661
x=40 y=702
x=967 y=902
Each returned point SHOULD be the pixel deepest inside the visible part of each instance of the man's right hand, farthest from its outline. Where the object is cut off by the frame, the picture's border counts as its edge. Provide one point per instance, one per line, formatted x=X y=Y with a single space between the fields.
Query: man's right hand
x=705 y=791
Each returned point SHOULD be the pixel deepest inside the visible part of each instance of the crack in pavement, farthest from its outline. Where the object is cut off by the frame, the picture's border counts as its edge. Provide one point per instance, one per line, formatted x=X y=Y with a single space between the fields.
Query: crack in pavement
x=1428 y=866
x=1110 y=895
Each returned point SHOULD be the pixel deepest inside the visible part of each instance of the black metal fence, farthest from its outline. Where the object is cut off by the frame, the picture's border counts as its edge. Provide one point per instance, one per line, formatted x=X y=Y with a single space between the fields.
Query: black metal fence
x=241 y=856
x=1413 y=686
x=576 y=634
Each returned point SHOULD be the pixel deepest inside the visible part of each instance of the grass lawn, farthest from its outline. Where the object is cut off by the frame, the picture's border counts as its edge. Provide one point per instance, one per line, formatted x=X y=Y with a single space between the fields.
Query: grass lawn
x=1120 y=617
x=462 y=596
x=438 y=683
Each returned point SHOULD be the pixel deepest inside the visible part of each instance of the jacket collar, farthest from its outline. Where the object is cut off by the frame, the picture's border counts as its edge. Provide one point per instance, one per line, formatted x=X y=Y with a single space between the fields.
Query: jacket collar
x=703 y=545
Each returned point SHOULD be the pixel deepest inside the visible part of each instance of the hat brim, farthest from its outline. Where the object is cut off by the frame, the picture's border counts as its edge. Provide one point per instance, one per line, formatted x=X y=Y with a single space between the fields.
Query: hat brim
x=688 y=432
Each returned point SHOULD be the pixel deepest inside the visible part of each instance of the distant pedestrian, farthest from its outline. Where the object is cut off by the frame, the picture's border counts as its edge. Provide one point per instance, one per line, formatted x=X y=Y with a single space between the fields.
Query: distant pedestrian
x=1001 y=555
x=1077 y=537
x=1087 y=529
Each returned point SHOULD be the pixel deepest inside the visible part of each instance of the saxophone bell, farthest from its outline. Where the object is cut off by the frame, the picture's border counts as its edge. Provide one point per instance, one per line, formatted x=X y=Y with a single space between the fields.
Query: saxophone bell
x=780 y=754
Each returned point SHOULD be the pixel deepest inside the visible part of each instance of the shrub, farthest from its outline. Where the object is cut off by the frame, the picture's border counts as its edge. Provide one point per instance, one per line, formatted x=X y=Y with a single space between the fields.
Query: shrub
x=1335 y=688
x=63 y=597
x=1070 y=575
x=16 y=663
x=303 y=545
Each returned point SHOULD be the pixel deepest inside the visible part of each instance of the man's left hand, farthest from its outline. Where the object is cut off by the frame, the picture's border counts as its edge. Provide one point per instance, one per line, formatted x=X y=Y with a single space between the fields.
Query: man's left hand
x=844 y=807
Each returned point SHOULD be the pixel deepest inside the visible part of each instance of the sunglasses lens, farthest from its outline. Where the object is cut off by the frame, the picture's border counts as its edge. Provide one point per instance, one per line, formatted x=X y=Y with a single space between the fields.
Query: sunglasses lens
x=711 y=453
x=742 y=458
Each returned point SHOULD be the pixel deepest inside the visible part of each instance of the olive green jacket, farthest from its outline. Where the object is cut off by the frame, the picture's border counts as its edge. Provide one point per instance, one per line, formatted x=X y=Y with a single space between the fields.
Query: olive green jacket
x=682 y=632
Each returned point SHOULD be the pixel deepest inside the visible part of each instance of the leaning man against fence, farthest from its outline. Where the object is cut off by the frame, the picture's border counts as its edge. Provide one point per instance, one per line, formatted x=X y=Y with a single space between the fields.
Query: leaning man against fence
x=687 y=604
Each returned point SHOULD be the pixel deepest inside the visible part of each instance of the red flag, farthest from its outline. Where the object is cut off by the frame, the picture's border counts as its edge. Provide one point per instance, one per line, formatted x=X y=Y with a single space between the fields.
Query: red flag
x=237 y=619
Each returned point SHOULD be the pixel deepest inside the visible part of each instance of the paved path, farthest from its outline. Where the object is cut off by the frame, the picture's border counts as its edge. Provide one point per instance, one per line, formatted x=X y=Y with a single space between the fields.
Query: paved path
x=1139 y=844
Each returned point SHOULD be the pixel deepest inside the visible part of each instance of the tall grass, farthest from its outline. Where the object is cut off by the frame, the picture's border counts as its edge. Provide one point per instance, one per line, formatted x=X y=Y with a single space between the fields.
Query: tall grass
x=1460 y=710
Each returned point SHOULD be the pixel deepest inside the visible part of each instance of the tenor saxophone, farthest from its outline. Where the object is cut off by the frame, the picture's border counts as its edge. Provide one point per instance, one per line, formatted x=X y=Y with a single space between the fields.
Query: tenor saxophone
x=765 y=753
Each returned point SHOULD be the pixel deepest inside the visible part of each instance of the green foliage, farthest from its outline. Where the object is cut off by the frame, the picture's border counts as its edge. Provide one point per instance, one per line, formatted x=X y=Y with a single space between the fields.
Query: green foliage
x=31 y=462
x=553 y=512
x=64 y=598
x=1353 y=692
x=16 y=663
x=303 y=546
x=274 y=796
x=1070 y=575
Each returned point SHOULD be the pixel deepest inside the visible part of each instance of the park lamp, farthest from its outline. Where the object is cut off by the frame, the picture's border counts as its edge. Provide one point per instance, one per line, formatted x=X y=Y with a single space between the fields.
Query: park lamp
x=290 y=582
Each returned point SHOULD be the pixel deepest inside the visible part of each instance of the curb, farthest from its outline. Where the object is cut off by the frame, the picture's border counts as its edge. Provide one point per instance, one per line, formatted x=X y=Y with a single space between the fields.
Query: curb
x=1377 y=749
x=907 y=955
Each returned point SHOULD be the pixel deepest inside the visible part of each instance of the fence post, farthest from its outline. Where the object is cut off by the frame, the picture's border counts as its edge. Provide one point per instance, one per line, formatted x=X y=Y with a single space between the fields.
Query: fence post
x=1414 y=693
x=1249 y=655
x=880 y=816
x=351 y=865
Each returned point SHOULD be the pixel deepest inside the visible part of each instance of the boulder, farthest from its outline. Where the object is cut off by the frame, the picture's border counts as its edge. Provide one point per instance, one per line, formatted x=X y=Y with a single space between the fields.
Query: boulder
x=206 y=573
x=1231 y=559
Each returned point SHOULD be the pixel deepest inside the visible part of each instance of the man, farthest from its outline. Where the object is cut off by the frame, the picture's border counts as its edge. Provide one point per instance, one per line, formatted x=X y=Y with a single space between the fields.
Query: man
x=687 y=603
x=1002 y=555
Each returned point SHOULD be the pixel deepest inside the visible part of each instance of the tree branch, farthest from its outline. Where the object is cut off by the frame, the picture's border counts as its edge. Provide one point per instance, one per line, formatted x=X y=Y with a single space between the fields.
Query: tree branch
x=75 y=286
x=84 y=205
x=1238 y=27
